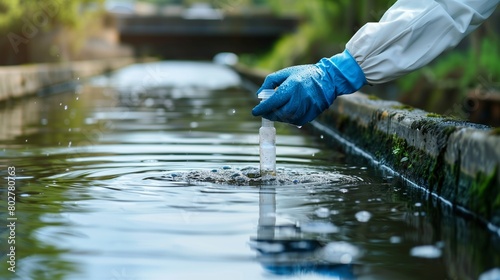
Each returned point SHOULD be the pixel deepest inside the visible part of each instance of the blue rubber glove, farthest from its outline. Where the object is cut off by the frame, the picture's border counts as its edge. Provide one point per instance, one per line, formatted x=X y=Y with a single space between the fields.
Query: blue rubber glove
x=305 y=91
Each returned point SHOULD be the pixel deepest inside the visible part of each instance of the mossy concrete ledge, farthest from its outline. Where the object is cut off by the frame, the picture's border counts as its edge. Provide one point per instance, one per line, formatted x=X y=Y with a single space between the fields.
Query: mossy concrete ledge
x=455 y=160
x=22 y=80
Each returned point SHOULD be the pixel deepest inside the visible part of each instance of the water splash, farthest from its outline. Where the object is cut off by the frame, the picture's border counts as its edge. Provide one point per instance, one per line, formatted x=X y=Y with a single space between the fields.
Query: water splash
x=341 y=252
x=363 y=216
x=426 y=251
x=251 y=176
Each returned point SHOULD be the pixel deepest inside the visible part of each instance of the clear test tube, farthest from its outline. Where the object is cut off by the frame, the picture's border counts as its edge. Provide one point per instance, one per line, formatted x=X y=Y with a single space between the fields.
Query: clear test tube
x=267 y=141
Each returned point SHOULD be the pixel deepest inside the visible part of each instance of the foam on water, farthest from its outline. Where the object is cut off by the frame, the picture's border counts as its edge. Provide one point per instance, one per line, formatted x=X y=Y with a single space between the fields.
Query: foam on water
x=251 y=176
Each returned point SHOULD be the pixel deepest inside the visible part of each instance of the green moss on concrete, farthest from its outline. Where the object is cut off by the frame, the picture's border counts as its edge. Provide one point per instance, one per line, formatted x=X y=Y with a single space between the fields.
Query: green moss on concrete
x=434 y=115
x=403 y=107
x=341 y=120
x=389 y=149
x=485 y=194
x=441 y=129
x=495 y=131
x=450 y=187
x=417 y=165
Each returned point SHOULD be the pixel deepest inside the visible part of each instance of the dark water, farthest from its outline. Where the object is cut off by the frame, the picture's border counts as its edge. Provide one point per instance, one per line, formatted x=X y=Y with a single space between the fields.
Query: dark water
x=150 y=173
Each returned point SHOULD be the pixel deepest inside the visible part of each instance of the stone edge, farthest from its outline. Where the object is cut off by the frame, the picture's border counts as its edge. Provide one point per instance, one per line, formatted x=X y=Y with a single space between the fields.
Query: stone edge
x=23 y=80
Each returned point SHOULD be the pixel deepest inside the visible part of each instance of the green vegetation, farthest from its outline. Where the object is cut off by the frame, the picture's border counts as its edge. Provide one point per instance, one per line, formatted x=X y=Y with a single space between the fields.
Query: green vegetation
x=325 y=28
x=475 y=67
x=49 y=13
x=36 y=31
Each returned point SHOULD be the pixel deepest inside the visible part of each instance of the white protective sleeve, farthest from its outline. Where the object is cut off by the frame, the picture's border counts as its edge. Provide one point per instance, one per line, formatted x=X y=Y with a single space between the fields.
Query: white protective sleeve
x=414 y=32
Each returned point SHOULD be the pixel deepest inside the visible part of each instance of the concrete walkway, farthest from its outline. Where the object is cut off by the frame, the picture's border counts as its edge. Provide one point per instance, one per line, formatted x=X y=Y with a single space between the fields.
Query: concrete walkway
x=21 y=80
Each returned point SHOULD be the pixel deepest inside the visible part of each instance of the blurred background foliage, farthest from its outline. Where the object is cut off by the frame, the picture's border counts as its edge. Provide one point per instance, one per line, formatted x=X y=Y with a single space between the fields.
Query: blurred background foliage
x=74 y=12
x=47 y=30
x=326 y=27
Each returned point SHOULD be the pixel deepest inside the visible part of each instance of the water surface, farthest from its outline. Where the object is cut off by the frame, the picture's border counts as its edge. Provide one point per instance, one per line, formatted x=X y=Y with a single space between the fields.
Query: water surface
x=150 y=173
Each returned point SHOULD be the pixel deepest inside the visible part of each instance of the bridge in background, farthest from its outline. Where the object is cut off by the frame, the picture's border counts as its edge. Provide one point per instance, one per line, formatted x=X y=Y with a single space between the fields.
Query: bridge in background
x=177 y=37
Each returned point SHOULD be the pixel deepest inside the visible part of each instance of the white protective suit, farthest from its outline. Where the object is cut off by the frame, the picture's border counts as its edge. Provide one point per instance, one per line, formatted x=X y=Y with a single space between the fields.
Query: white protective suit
x=414 y=32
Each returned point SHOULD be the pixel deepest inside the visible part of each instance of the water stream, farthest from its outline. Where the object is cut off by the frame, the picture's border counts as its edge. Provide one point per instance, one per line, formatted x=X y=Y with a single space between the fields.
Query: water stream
x=151 y=172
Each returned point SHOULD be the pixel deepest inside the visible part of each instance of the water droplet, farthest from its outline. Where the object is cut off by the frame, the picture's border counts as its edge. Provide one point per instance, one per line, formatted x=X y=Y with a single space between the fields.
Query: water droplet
x=343 y=190
x=363 y=216
x=425 y=251
x=231 y=112
x=418 y=204
x=208 y=112
x=321 y=137
x=149 y=102
x=340 y=252
x=69 y=144
x=322 y=212
x=77 y=98
x=395 y=239
x=319 y=227
x=492 y=274
x=334 y=212
x=65 y=107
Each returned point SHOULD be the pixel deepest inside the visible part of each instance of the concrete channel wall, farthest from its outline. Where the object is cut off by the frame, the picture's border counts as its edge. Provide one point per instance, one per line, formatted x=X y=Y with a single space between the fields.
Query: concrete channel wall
x=455 y=160
x=21 y=80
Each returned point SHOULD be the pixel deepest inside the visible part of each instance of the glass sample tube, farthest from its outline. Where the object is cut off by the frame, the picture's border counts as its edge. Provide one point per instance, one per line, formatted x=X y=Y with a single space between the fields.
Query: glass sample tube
x=267 y=141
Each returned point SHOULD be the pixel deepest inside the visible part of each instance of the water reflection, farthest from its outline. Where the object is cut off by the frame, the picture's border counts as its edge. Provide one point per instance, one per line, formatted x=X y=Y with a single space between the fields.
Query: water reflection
x=282 y=250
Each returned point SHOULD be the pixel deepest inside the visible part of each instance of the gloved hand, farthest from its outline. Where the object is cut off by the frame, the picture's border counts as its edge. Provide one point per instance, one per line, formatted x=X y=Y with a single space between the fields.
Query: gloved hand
x=305 y=91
